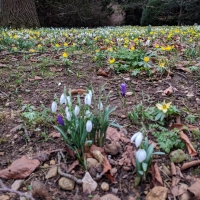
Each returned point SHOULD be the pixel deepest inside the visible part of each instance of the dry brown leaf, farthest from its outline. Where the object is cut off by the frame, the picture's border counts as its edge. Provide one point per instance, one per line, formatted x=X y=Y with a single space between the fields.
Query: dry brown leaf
x=39 y=189
x=20 y=168
x=180 y=66
x=55 y=135
x=114 y=135
x=100 y=72
x=107 y=169
x=53 y=69
x=78 y=91
x=72 y=166
x=16 y=128
x=194 y=189
x=128 y=157
x=190 y=164
x=36 y=78
x=190 y=148
x=173 y=169
x=156 y=177
x=168 y=91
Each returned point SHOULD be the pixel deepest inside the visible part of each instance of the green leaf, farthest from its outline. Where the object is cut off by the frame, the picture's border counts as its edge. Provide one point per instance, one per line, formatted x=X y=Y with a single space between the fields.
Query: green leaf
x=141 y=172
x=158 y=116
x=158 y=153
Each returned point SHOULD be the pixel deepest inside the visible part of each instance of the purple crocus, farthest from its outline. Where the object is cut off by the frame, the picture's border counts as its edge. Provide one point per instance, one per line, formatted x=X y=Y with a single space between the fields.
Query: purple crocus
x=123 y=89
x=60 y=120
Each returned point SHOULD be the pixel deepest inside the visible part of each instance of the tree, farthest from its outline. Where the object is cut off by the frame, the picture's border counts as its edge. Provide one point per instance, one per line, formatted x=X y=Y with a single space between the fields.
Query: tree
x=18 y=13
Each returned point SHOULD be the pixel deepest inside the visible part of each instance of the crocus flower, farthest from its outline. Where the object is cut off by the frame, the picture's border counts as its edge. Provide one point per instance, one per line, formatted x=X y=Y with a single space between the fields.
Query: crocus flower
x=87 y=100
x=123 y=89
x=88 y=126
x=60 y=120
x=62 y=99
x=141 y=155
x=76 y=110
x=137 y=137
x=54 y=107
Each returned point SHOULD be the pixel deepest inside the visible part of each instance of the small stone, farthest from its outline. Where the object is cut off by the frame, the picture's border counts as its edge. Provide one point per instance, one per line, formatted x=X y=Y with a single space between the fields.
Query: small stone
x=114 y=190
x=4 y=197
x=52 y=162
x=17 y=184
x=91 y=162
x=15 y=136
x=109 y=197
x=123 y=116
x=105 y=186
x=45 y=165
x=177 y=156
x=112 y=148
x=7 y=104
x=66 y=183
x=98 y=155
x=129 y=93
x=2 y=153
x=92 y=171
x=157 y=193
x=99 y=167
x=131 y=198
x=88 y=183
x=166 y=170
x=114 y=170
x=52 y=172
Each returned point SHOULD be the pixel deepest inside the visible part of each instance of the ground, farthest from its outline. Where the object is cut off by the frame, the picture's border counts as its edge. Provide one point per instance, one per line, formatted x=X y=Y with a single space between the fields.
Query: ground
x=33 y=78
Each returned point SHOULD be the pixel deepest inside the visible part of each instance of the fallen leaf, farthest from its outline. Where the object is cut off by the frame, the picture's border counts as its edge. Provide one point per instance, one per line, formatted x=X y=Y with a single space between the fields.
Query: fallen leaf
x=72 y=166
x=180 y=66
x=16 y=128
x=53 y=69
x=55 y=135
x=155 y=173
x=190 y=148
x=107 y=169
x=78 y=91
x=20 y=168
x=194 y=189
x=114 y=135
x=168 y=91
x=36 y=78
x=100 y=72
x=190 y=164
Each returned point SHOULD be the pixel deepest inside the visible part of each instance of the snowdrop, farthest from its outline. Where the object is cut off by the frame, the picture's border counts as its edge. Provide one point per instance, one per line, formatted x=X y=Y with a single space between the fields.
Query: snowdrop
x=68 y=116
x=100 y=106
x=137 y=137
x=87 y=99
x=141 y=155
x=76 y=110
x=62 y=99
x=54 y=107
x=88 y=126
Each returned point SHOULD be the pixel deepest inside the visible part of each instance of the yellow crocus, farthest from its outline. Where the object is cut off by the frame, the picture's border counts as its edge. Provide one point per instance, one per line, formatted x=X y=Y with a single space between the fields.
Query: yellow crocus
x=164 y=106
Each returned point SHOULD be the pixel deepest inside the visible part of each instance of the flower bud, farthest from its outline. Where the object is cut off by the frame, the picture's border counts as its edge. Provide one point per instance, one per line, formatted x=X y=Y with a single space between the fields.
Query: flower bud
x=60 y=120
x=68 y=100
x=76 y=110
x=88 y=126
x=68 y=116
x=66 y=110
x=90 y=93
x=141 y=155
x=100 y=106
x=87 y=113
x=62 y=99
x=137 y=137
x=87 y=99
x=54 y=107
x=123 y=89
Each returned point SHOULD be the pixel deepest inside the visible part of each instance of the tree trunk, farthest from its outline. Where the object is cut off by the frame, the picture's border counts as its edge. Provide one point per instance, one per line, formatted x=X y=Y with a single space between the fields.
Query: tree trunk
x=18 y=14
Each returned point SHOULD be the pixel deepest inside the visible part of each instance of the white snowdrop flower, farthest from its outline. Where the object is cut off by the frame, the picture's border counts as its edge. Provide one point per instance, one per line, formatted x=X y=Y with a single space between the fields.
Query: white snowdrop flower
x=76 y=110
x=59 y=84
x=68 y=116
x=54 y=107
x=90 y=93
x=66 y=110
x=147 y=42
x=137 y=137
x=141 y=155
x=87 y=100
x=68 y=100
x=88 y=126
x=100 y=106
x=87 y=113
x=63 y=99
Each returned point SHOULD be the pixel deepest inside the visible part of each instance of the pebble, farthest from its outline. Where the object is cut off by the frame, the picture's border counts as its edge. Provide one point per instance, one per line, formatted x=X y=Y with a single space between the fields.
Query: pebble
x=66 y=183
x=109 y=197
x=52 y=162
x=105 y=186
x=123 y=116
x=91 y=162
x=114 y=170
x=88 y=183
x=52 y=172
x=17 y=184
x=157 y=193
x=4 y=197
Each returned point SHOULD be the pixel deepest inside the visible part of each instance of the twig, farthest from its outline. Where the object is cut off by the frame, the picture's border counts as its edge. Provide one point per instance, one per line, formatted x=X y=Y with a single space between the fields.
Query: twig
x=6 y=189
x=78 y=181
